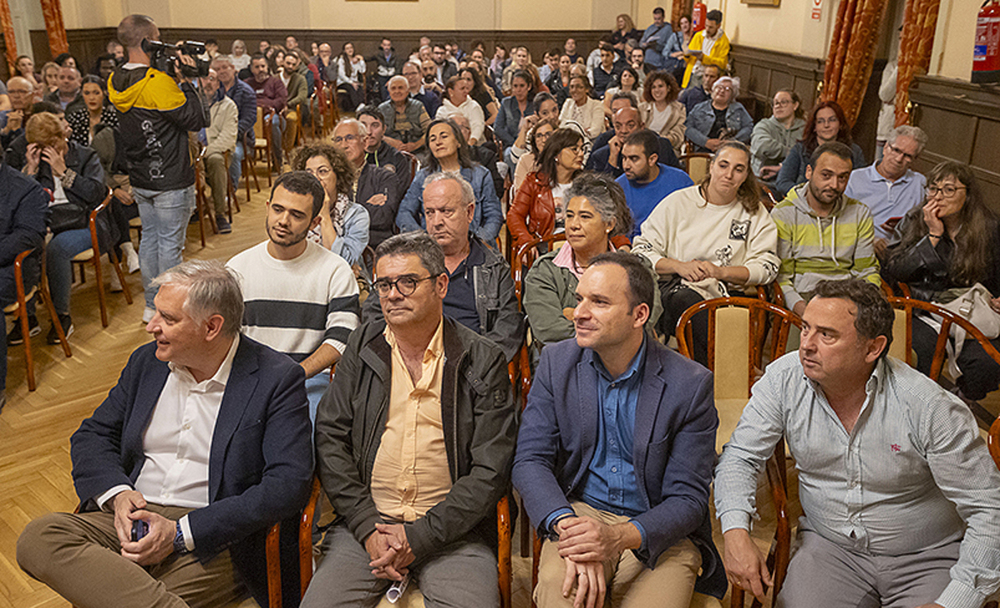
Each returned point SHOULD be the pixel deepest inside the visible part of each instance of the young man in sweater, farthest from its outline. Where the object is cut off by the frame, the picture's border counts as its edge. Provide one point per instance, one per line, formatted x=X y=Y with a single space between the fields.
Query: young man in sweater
x=300 y=298
x=823 y=234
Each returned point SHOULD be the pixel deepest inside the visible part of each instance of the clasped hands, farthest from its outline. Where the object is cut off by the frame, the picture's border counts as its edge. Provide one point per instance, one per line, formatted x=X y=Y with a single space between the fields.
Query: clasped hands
x=697 y=270
x=390 y=552
x=158 y=543
x=585 y=545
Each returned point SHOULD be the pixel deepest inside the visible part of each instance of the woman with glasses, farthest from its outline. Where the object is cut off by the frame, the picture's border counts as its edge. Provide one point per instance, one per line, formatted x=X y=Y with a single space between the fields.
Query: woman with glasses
x=774 y=137
x=708 y=239
x=449 y=152
x=583 y=109
x=720 y=118
x=949 y=244
x=343 y=226
x=826 y=123
x=535 y=141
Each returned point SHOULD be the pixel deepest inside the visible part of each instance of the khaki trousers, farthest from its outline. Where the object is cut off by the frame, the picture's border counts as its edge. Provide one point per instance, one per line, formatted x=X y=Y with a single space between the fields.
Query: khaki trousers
x=630 y=583
x=79 y=557
x=216 y=173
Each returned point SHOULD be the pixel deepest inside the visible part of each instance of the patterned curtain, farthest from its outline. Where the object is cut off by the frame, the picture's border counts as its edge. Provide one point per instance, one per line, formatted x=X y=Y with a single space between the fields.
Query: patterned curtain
x=7 y=28
x=680 y=8
x=54 y=26
x=852 y=53
x=915 y=47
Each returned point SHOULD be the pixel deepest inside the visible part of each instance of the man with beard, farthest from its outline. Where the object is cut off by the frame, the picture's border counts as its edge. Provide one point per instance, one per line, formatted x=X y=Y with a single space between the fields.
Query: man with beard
x=823 y=234
x=646 y=181
x=300 y=298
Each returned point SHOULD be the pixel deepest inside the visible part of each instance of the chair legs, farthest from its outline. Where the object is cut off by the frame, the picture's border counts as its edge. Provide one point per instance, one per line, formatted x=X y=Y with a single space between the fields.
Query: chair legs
x=22 y=313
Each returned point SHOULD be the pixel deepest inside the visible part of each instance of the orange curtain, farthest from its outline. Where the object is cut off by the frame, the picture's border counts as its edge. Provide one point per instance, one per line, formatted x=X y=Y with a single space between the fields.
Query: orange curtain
x=915 y=47
x=54 y=26
x=852 y=53
x=7 y=28
x=678 y=10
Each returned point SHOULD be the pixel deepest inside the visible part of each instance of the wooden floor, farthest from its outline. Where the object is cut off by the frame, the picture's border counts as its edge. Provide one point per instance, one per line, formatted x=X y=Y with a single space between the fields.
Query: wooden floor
x=35 y=426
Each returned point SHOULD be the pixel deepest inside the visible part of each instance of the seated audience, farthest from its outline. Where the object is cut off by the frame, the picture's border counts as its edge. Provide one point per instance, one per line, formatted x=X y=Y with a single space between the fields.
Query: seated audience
x=272 y=96
x=569 y=47
x=428 y=71
x=693 y=96
x=343 y=225
x=890 y=188
x=406 y=119
x=550 y=64
x=75 y=177
x=238 y=55
x=12 y=120
x=628 y=82
x=24 y=207
x=596 y=213
x=326 y=63
x=245 y=99
x=723 y=118
x=558 y=82
x=50 y=79
x=387 y=64
x=645 y=180
x=375 y=188
x=615 y=453
x=297 y=105
x=583 y=109
x=25 y=68
x=535 y=140
x=247 y=464
x=545 y=108
x=97 y=110
x=220 y=138
x=665 y=115
x=894 y=480
x=479 y=93
x=349 y=78
x=624 y=100
x=444 y=69
x=539 y=207
x=638 y=63
x=623 y=32
x=483 y=154
x=299 y=298
x=379 y=153
x=773 y=137
x=457 y=101
x=608 y=159
x=104 y=67
x=709 y=239
x=949 y=244
x=418 y=88
x=709 y=46
x=654 y=40
x=514 y=108
x=68 y=95
x=605 y=74
x=450 y=152
x=520 y=60
x=414 y=493
x=823 y=234
x=826 y=123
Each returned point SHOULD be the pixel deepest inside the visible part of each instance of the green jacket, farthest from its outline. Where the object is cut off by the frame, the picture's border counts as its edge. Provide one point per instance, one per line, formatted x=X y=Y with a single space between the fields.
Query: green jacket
x=480 y=428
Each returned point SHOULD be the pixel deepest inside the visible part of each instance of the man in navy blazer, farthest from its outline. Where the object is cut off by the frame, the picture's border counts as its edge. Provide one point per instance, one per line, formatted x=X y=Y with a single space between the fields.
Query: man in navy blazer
x=213 y=430
x=615 y=454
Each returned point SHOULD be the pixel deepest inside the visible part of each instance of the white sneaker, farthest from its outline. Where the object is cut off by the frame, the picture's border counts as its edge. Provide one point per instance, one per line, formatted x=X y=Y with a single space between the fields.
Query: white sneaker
x=147 y=314
x=131 y=259
x=116 y=284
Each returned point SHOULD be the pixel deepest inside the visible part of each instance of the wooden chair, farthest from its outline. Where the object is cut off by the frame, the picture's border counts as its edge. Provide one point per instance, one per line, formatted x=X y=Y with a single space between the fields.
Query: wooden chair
x=19 y=308
x=231 y=199
x=93 y=256
x=262 y=142
x=695 y=164
x=742 y=321
x=247 y=167
x=202 y=208
x=414 y=166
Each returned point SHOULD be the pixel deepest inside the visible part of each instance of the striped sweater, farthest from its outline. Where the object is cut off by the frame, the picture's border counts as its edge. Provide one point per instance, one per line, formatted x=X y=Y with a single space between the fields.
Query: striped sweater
x=296 y=305
x=814 y=249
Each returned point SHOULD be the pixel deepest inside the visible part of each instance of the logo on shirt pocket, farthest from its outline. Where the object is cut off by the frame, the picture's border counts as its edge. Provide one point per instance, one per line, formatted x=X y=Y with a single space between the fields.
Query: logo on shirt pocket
x=739 y=230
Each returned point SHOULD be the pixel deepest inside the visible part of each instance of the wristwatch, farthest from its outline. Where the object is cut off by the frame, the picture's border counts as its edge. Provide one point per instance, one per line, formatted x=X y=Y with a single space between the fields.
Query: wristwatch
x=179 y=547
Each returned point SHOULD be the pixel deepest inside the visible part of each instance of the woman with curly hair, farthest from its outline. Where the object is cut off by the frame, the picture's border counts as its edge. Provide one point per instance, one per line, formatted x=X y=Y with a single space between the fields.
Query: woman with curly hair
x=827 y=122
x=664 y=115
x=343 y=225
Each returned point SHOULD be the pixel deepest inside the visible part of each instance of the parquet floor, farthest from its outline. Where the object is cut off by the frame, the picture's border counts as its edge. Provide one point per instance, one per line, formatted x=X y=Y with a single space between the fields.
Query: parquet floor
x=35 y=426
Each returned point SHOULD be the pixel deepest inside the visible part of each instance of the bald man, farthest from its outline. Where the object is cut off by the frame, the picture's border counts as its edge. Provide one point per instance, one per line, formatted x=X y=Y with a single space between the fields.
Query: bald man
x=68 y=96
x=12 y=121
x=626 y=121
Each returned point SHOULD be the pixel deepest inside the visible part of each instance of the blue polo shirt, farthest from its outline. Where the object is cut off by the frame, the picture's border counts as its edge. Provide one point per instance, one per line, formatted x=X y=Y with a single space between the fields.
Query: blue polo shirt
x=643 y=198
x=460 y=301
x=886 y=199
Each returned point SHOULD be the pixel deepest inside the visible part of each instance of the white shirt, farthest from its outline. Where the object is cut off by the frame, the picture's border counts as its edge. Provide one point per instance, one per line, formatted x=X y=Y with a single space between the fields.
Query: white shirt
x=178 y=441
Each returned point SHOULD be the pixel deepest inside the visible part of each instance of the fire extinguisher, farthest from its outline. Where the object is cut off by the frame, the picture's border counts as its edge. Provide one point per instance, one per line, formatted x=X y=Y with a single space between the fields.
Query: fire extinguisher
x=986 y=54
x=698 y=13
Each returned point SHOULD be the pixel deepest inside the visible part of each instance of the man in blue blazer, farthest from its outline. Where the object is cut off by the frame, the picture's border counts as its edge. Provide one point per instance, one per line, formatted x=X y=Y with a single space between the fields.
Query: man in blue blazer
x=202 y=445
x=615 y=454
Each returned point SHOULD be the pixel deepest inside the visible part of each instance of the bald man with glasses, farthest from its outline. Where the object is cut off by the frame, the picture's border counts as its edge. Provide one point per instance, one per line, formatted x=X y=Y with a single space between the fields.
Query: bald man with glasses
x=12 y=121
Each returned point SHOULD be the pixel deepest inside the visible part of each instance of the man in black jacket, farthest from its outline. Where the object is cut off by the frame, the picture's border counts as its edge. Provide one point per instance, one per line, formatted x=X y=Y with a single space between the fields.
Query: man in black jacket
x=155 y=114
x=380 y=153
x=414 y=442
x=377 y=188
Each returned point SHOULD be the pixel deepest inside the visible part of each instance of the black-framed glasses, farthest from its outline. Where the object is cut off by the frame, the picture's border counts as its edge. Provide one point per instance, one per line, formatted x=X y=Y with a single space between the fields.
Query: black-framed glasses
x=905 y=155
x=948 y=190
x=405 y=285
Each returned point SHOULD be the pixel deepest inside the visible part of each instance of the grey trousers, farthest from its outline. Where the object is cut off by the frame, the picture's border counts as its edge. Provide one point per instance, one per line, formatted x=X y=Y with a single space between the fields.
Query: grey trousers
x=823 y=572
x=460 y=575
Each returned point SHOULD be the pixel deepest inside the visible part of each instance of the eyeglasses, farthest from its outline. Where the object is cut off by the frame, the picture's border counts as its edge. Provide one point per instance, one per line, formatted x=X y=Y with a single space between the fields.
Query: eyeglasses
x=948 y=191
x=828 y=121
x=405 y=285
x=342 y=138
x=543 y=136
x=782 y=102
x=905 y=155
x=321 y=172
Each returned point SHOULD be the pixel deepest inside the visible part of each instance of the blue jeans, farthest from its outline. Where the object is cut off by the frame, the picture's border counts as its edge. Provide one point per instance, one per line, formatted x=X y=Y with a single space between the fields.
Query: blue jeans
x=8 y=295
x=165 y=217
x=277 y=129
x=236 y=168
x=315 y=389
x=58 y=255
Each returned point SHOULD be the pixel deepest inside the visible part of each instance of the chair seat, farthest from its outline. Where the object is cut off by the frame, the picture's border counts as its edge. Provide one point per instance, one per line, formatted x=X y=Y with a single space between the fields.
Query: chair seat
x=84 y=256
x=260 y=142
x=11 y=309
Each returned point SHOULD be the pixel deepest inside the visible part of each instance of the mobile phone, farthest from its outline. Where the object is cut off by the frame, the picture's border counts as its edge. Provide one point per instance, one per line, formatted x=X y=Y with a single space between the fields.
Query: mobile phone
x=140 y=528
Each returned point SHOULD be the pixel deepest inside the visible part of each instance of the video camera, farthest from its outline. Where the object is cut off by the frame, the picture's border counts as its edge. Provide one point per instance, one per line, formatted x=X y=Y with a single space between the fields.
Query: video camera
x=163 y=57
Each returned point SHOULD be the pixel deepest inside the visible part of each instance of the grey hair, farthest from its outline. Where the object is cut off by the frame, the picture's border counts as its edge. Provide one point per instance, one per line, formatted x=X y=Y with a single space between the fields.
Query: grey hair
x=734 y=81
x=606 y=197
x=468 y=194
x=223 y=59
x=915 y=133
x=362 y=129
x=417 y=243
x=398 y=77
x=212 y=289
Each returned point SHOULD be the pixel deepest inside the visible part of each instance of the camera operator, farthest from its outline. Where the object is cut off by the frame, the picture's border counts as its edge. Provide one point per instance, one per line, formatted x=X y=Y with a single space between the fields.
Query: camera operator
x=156 y=112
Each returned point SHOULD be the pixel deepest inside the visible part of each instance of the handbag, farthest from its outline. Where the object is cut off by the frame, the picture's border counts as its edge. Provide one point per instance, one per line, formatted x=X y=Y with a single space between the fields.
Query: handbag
x=973 y=305
x=68 y=216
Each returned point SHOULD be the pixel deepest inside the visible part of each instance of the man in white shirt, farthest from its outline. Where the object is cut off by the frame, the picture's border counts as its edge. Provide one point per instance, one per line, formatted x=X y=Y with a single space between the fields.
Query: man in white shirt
x=203 y=444
x=301 y=298
x=219 y=138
